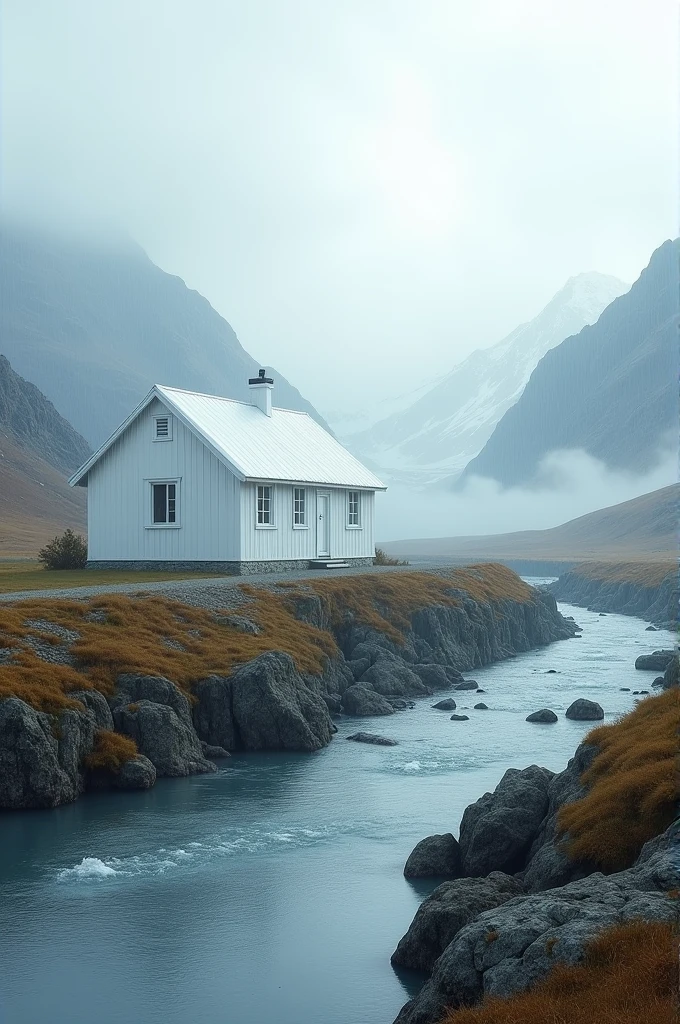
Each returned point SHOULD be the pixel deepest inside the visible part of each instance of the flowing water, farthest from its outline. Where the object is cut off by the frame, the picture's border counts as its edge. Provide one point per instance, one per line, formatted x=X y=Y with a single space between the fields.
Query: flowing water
x=273 y=890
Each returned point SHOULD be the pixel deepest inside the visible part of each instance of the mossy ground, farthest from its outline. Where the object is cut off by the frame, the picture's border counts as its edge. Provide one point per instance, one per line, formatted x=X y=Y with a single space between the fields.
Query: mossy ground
x=629 y=976
x=633 y=785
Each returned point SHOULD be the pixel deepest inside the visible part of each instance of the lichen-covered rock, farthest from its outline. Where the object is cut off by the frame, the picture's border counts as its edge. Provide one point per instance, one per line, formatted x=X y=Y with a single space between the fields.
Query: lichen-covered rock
x=96 y=702
x=158 y=690
x=333 y=702
x=435 y=856
x=497 y=831
x=274 y=709
x=372 y=738
x=583 y=710
x=41 y=755
x=434 y=677
x=544 y=715
x=448 y=704
x=460 y=718
x=441 y=916
x=511 y=947
x=389 y=676
x=137 y=773
x=170 y=744
x=671 y=676
x=213 y=752
x=212 y=713
x=466 y=684
x=361 y=700
x=656 y=662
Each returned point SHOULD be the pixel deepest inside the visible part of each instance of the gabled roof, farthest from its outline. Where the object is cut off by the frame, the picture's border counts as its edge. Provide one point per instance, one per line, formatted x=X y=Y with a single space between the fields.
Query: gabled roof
x=288 y=446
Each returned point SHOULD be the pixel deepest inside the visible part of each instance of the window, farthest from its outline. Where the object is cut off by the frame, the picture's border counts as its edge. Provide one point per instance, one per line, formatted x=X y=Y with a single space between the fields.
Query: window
x=265 y=505
x=164 y=504
x=162 y=428
x=299 y=506
x=353 y=508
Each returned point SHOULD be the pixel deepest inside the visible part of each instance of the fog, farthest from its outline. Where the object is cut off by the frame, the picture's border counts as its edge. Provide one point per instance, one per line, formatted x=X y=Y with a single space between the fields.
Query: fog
x=574 y=484
x=367 y=192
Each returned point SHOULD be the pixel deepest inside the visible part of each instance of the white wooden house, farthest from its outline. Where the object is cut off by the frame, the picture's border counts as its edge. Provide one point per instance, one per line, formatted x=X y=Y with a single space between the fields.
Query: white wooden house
x=193 y=481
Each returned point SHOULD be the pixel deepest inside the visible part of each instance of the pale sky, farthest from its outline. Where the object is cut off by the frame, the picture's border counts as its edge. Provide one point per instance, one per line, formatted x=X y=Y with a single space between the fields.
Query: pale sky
x=366 y=191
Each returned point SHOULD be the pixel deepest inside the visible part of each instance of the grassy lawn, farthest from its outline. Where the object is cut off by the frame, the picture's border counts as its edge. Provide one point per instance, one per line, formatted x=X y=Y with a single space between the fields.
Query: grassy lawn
x=30 y=575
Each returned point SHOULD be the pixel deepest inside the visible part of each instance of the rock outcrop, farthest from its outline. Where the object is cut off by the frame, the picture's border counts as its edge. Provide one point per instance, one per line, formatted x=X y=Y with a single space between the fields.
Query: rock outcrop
x=605 y=590
x=163 y=737
x=658 y=661
x=362 y=700
x=434 y=857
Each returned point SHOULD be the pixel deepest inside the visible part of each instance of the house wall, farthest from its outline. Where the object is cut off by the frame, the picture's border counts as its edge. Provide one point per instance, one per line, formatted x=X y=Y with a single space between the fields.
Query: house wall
x=283 y=541
x=119 y=498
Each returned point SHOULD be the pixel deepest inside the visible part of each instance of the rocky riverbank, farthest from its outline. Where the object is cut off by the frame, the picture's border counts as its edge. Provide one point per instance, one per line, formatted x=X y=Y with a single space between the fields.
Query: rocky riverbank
x=646 y=590
x=81 y=706
x=547 y=862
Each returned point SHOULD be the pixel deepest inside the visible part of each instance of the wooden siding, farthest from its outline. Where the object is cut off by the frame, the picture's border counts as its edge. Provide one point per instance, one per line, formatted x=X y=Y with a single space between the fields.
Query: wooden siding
x=282 y=541
x=119 y=499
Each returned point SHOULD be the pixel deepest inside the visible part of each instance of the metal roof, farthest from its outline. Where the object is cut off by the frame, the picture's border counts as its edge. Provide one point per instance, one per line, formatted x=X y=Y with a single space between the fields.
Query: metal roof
x=287 y=446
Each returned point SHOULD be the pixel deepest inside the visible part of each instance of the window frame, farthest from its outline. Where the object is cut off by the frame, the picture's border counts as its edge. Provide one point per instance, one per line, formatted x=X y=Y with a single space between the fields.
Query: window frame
x=349 y=525
x=175 y=482
x=271 y=525
x=162 y=416
x=302 y=523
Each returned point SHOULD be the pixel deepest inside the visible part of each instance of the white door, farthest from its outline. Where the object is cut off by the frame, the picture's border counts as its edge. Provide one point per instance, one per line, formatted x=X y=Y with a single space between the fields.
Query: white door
x=323 y=524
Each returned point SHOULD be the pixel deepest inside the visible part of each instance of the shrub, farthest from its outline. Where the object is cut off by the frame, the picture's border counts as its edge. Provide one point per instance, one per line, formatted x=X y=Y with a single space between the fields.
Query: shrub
x=382 y=558
x=633 y=785
x=66 y=552
x=629 y=976
x=110 y=751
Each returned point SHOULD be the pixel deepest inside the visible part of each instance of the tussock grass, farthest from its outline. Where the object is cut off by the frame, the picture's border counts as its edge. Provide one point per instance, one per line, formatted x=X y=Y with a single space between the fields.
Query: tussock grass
x=131 y=633
x=629 y=976
x=111 y=751
x=647 y=574
x=634 y=785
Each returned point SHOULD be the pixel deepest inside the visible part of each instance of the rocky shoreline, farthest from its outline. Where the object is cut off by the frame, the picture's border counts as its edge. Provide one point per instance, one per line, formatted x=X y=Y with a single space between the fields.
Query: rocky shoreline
x=514 y=903
x=604 y=589
x=268 y=703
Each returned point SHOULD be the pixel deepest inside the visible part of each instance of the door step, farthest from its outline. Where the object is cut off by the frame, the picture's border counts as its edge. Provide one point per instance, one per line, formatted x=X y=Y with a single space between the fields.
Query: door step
x=327 y=563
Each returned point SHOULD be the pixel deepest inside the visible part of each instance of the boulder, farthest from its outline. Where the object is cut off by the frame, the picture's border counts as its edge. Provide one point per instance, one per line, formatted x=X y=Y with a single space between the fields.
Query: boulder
x=333 y=702
x=170 y=744
x=659 y=681
x=449 y=908
x=138 y=773
x=656 y=662
x=372 y=737
x=583 y=710
x=41 y=755
x=481 y=707
x=360 y=700
x=496 y=832
x=213 y=753
x=624 y=689
x=651 y=629
x=466 y=684
x=460 y=718
x=97 y=703
x=274 y=709
x=358 y=666
x=448 y=704
x=544 y=715
x=158 y=690
x=393 y=677
x=671 y=676
x=435 y=856
x=434 y=677
x=512 y=946
x=212 y=713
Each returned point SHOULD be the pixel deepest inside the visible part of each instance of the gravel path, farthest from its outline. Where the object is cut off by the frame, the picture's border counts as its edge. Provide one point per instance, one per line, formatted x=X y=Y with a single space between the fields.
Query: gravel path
x=214 y=592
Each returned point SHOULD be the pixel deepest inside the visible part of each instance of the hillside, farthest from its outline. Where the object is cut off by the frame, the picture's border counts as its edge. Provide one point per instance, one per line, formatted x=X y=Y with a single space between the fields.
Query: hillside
x=609 y=390
x=37 y=448
x=640 y=528
x=94 y=326
x=450 y=422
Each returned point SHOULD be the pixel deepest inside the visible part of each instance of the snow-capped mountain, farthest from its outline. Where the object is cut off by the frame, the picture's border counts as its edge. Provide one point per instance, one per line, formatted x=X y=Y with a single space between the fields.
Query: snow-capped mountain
x=448 y=425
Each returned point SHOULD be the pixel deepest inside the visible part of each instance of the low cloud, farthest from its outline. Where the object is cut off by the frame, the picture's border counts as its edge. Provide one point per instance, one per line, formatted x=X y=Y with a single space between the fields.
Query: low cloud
x=574 y=483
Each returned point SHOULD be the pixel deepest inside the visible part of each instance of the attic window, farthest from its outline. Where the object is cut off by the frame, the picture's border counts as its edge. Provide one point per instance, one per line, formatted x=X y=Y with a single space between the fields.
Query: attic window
x=162 y=428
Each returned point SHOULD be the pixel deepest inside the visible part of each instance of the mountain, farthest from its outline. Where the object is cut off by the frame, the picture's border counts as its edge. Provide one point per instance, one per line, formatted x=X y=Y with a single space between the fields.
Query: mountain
x=611 y=390
x=94 y=325
x=449 y=424
x=643 y=527
x=37 y=447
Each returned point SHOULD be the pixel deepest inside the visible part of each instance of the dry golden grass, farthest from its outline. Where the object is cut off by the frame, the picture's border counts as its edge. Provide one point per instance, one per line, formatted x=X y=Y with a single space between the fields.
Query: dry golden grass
x=633 y=783
x=111 y=751
x=629 y=976
x=648 y=574
x=133 y=636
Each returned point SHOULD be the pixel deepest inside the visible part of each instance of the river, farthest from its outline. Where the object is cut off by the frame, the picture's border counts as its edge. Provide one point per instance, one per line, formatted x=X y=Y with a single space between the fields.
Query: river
x=272 y=892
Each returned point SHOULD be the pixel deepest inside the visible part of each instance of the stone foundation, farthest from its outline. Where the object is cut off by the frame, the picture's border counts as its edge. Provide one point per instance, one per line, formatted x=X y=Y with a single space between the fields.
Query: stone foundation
x=223 y=568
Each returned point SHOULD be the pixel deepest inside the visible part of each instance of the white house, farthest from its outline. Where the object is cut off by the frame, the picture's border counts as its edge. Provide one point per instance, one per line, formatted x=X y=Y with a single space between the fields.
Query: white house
x=193 y=481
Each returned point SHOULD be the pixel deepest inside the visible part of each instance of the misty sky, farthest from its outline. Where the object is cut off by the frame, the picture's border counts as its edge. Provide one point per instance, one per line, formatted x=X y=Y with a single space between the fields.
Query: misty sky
x=366 y=191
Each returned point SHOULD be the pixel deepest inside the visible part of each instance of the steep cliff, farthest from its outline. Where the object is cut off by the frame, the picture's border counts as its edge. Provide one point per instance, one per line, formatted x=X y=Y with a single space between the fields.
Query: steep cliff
x=648 y=590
